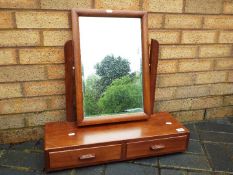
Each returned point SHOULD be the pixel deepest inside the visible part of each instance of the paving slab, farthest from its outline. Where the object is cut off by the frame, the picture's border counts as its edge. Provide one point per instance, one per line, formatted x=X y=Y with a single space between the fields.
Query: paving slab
x=30 y=161
x=195 y=147
x=215 y=127
x=39 y=144
x=230 y=119
x=216 y=137
x=10 y=171
x=221 y=120
x=185 y=161
x=93 y=170
x=222 y=173
x=24 y=145
x=130 y=169
x=152 y=161
x=172 y=172
x=30 y=145
x=199 y=173
x=4 y=146
x=221 y=156
x=193 y=132
x=62 y=172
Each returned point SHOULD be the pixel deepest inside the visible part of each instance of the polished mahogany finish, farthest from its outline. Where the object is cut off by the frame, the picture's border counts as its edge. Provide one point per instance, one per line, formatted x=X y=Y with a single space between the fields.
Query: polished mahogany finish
x=154 y=57
x=69 y=82
x=84 y=156
x=65 y=143
x=156 y=147
x=69 y=146
x=81 y=120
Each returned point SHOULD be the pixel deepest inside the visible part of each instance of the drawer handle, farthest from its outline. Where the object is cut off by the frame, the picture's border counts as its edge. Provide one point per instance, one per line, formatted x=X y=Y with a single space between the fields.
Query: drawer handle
x=87 y=156
x=157 y=147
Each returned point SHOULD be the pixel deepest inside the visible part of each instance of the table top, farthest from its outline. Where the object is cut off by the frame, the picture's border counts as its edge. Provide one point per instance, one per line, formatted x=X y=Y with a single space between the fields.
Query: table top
x=60 y=135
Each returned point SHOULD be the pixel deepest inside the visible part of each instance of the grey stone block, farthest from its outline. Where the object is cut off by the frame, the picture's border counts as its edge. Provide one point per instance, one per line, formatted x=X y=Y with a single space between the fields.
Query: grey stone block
x=199 y=173
x=4 y=146
x=230 y=119
x=221 y=156
x=172 y=172
x=216 y=137
x=30 y=145
x=221 y=121
x=195 y=147
x=33 y=161
x=10 y=171
x=214 y=126
x=186 y=161
x=39 y=144
x=151 y=161
x=93 y=170
x=130 y=169
x=193 y=132
x=24 y=145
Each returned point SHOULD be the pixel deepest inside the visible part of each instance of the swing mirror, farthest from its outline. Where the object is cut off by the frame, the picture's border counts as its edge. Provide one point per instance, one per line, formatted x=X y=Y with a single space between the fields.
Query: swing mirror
x=111 y=66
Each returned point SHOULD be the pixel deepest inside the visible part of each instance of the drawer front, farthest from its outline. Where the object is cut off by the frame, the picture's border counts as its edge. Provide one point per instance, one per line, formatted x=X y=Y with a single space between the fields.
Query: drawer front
x=156 y=147
x=85 y=156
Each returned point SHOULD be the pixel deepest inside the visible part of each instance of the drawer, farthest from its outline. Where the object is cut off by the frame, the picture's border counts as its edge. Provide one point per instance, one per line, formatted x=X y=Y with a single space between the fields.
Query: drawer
x=85 y=156
x=156 y=147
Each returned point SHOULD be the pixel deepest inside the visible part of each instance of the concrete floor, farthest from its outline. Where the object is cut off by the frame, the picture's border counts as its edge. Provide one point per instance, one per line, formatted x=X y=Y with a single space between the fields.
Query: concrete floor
x=210 y=152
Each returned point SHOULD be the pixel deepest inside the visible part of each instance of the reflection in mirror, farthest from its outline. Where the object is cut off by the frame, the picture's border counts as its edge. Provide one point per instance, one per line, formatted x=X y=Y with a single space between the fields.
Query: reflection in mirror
x=111 y=58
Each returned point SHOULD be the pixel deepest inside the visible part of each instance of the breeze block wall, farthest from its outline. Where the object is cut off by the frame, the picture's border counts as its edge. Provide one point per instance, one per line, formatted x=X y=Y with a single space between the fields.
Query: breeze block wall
x=195 y=73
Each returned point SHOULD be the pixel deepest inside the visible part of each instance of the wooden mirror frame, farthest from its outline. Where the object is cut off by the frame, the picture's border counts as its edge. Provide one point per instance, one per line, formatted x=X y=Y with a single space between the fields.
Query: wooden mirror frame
x=81 y=120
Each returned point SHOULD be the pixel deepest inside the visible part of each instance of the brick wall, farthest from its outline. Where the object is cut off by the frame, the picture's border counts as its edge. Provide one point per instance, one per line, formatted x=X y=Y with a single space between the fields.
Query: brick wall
x=195 y=67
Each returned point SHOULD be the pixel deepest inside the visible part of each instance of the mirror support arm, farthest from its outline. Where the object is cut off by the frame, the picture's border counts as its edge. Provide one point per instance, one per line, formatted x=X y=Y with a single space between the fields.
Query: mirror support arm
x=154 y=56
x=70 y=81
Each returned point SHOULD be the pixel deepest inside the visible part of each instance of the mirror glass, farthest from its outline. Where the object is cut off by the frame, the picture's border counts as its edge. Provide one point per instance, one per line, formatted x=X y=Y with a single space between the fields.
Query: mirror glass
x=111 y=61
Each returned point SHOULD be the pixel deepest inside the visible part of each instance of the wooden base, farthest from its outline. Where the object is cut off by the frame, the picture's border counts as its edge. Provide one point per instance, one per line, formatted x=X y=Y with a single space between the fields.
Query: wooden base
x=67 y=146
